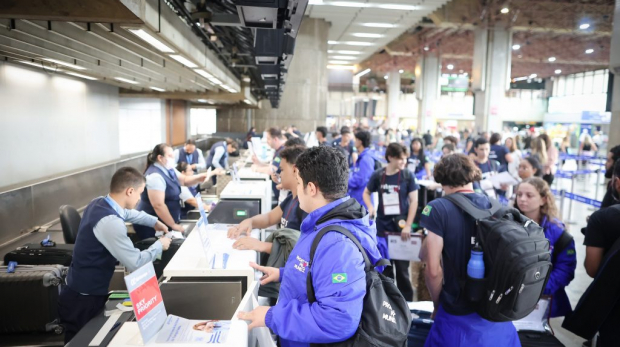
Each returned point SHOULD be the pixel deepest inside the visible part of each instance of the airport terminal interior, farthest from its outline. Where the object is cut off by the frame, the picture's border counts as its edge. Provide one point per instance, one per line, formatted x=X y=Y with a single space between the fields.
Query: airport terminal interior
x=173 y=164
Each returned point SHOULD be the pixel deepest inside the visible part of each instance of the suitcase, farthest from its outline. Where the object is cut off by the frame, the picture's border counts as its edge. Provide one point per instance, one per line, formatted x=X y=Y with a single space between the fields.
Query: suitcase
x=166 y=256
x=420 y=327
x=35 y=254
x=30 y=298
x=538 y=339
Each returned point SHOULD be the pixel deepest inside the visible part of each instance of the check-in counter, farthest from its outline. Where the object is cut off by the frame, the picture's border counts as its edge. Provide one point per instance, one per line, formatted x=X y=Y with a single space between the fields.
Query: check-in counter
x=249 y=190
x=247 y=174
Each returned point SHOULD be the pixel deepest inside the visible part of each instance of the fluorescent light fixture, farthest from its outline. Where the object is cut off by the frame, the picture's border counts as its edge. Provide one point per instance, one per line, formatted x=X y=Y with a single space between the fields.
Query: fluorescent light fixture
x=151 y=40
x=331 y=42
x=80 y=75
x=347 y=4
x=551 y=59
x=450 y=66
x=505 y=10
x=520 y=79
x=341 y=67
x=533 y=75
x=397 y=7
x=39 y=65
x=370 y=35
x=465 y=74
x=379 y=25
x=247 y=101
x=362 y=73
x=584 y=26
x=339 y=62
x=343 y=57
x=516 y=47
x=201 y=100
x=315 y=2
x=589 y=51
x=357 y=43
x=203 y=73
x=346 y=52
x=158 y=89
x=125 y=80
x=215 y=81
x=181 y=59
x=558 y=71
x=73 y=66
x=426 y=48
x=401 y=71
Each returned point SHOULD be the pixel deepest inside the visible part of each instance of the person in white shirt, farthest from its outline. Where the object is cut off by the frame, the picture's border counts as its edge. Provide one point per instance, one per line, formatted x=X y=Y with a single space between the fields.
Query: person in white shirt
x=189 y=154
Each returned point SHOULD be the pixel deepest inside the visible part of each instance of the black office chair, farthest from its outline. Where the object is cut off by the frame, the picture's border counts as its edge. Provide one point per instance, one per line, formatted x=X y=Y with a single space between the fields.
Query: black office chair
x=70 y=221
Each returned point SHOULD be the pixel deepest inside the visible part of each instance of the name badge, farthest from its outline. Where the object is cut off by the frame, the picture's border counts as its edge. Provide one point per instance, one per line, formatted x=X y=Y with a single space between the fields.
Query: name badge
x=391 y=204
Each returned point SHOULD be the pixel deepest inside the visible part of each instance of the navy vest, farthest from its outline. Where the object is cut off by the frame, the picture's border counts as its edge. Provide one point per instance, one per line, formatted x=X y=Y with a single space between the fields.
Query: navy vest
x=183 y=157
x=212 y=153
x=171 y=199
x=93 y=265
x=188 y=207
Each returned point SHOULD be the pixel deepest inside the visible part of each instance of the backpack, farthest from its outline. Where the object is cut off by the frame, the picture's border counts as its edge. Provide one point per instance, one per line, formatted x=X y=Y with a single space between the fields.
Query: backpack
x=516 y=258
x=385 y=317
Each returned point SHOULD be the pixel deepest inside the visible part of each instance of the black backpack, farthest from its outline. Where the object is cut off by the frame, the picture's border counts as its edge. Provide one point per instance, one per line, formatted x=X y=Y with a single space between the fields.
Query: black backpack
x=516 y=258
x=385 y=317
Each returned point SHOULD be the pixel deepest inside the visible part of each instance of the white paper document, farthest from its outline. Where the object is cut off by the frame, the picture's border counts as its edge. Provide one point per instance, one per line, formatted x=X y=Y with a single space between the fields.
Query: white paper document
x=181 y=330
x=404 y=250
x=536 y=320
x=502 y=178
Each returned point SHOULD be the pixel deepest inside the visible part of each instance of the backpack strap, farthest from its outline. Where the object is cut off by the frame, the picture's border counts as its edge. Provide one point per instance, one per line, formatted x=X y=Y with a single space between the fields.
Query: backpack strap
x=471 y=209
x=560 y=245
x=315 y=243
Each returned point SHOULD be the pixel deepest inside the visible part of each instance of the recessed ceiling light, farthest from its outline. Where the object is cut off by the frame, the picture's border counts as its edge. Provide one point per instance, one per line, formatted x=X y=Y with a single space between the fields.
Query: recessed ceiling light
x=505 y=10
x=401 y=71
x=347 y=4
x=73 y=66
x=151 y=40
x=589 y=51
x=533 y=75
x=558 y=71
x=386 y=76
x=357 y=43
x=450 y=66
x=516 y=47
x=379 y=25
x=125 y=80
x=342 y=57
x=517 y=79
x=367 y=35
x=201 y=100
x=362 y=73
x=552 y=59
x=341 y=67
x=584 y=26
x=426 y=48
x=181 y=59
x=397 y=7
x=80 y=75
x=331 y=42
x=158 y=89
x=347 y=52
x=339 y=62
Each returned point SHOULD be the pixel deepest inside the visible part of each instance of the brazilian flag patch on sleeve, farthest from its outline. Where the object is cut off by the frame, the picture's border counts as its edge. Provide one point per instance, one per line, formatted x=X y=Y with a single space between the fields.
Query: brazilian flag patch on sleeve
x=339 y=278
x=427 y=210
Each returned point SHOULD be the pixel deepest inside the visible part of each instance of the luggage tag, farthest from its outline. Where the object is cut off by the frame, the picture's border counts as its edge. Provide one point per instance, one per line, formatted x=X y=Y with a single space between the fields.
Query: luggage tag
x=47 y=242
x=11 y=267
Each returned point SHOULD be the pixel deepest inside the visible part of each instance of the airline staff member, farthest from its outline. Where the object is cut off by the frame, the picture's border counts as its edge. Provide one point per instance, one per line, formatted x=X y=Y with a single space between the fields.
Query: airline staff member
x=218 y=155
x=163 y=188
x=276 y=141
x=101 y=242
x=288 y=214
x=190 y=155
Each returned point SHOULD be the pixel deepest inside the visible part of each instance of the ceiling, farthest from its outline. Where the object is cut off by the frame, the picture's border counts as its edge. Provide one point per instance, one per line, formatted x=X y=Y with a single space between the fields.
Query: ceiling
x=360 y=28
x=547 y=32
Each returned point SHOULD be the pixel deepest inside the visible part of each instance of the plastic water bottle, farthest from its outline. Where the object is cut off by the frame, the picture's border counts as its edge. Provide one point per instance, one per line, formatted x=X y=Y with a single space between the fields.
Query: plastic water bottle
x=475 y=267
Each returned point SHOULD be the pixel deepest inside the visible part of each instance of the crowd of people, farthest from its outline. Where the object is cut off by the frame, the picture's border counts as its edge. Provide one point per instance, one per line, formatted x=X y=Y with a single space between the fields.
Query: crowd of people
x=372 y=187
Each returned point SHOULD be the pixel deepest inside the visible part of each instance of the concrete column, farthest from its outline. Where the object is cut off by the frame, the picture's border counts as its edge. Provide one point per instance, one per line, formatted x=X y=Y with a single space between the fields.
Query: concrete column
x=491 y=75
x=304 y=101
x=393 y=83
x=427 y=71
x=614 y=126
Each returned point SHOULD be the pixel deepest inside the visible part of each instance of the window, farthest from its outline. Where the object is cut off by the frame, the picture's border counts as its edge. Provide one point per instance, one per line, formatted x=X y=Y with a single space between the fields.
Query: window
x=202 y=121
x=140 y=125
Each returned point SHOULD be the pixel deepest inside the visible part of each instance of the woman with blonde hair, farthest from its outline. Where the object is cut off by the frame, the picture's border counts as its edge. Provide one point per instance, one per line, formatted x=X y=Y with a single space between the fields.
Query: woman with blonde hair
x=550 y=166
x=535 y=200
x=515 y=154
x=539 y=149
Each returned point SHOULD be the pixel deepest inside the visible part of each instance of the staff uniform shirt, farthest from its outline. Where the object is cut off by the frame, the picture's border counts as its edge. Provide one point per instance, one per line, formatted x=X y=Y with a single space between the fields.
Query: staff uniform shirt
x=392 y=184
x=291 y=213
x=201 y=165
x=156 y=182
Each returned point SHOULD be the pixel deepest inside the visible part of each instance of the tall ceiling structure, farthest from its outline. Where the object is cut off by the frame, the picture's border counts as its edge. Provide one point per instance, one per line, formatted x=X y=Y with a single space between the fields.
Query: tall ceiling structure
x=549 y=37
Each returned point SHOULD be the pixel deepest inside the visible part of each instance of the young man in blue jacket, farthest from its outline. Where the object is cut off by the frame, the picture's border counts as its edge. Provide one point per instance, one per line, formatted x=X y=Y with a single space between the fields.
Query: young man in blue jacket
x=338 y=268
x=362 y=169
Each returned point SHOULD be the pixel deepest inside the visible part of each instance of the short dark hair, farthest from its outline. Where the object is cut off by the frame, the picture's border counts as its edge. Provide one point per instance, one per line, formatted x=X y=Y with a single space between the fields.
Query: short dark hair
x=294 y=141
x=327 y=168
x=449 y=146
x=536 y=165
x=451 y=139
x=364 y=137
x=495 y=138
x=275 y=132
x=291 y=153
x=345 y=130
x=480 y=141
x=190 y=142
x=456 y=170
x=615 y=153
x=322 y=130
x=420 y=141
x=182 y=166
x=158 y=150
x=126 y=177
x=616 y=169
x=395 y=150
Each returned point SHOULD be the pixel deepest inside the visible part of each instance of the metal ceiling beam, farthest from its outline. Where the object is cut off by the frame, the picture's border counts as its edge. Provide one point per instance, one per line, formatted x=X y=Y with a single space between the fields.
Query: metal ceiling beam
x=532 y=60
x=110 y=11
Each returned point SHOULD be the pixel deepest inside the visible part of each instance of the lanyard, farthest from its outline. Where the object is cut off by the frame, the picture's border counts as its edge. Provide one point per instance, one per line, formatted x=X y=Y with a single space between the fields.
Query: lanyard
x=114 y=205
x=188 y=158
x=397 y=181
x=294 y=203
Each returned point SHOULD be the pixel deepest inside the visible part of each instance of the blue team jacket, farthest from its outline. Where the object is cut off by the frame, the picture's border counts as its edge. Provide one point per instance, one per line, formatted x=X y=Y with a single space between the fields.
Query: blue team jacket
x=563 y=270
x=336 y=313
x=360 y=175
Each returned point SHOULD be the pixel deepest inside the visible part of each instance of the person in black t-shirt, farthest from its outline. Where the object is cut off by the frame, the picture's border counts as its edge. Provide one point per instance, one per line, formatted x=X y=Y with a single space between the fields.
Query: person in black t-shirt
x=601 y=234
x=398 y=203
x=417 y=162
x=612 y=157
x=499 y=152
